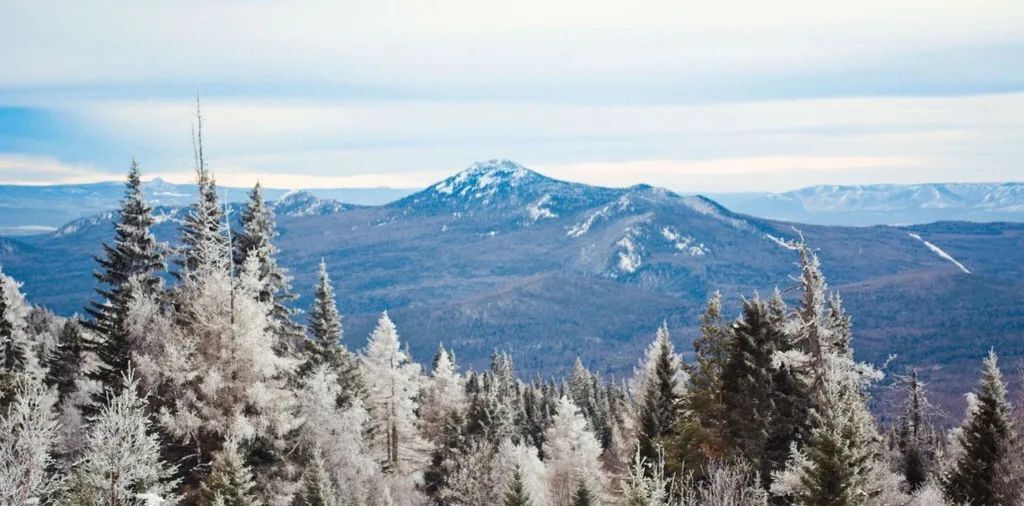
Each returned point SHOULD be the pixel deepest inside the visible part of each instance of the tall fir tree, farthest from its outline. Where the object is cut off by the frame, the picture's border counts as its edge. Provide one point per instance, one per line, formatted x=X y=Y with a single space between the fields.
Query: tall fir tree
x=317 y=489
x=28 y=433
x=325 y=345
x=661 y=394
x=203 y=238
x=516 y=494
x=16 y=353
x=230 y=481
x=748 y=387
x=255 y=239
x=64 y=365
x=914 y=436
x=122 y=461
x=986 y=440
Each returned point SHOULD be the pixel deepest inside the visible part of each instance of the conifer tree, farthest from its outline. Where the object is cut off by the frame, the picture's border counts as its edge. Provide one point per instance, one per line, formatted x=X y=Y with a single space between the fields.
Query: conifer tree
x=230 y=481
x=16 y=354
x=661 y=391
x=203 y=238
x=129 y=267
x=64 y=367
x=28 y=432
x=392 y=385
x=572 y=455
x=443 y=394
x=704 y=397
x=317 y=488
x=914 y=436
x=516 y=494
x=256 y=240
x=325 y=346
x=747 y=384
x=986 y=438
x=122 y=457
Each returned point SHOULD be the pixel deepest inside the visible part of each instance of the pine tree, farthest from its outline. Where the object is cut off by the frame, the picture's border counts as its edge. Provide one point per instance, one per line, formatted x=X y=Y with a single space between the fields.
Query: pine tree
x=659 y=410
x=986 y=438
x=203 y=238
x=28 y=432
x=516 y=494
x=317 y=488
x=582 y=496
x=64 y=367
x=748 y=387
x=572 y=454
x=230 y=481
x=16 y=354
x=325 y=346
x=704 y=397
x=914 y=436
x=122 y=457
x=392 y=385
x=256 y=240
x=129 y=267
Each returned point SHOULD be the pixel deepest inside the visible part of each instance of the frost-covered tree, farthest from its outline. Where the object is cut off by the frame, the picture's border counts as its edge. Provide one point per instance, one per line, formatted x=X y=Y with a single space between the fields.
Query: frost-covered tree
x=16 y=353
x=256 y=240
x=217 y=371
x=28 y=433
x=572 y=456
x=121 y=462
x=392 y=387
x=914 y=436
x=335 y=435
x=659 y=382
x=230 y=482
x=516 y=494
x=646 y=484
x=443 y=394
x=985 y=440
x=325 y=345
x=135 y=255
x=317 y=486
x=64 y=365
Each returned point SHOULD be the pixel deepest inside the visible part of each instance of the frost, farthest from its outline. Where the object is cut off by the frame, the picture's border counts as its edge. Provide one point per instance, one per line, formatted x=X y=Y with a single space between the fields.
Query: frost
x=629 y=257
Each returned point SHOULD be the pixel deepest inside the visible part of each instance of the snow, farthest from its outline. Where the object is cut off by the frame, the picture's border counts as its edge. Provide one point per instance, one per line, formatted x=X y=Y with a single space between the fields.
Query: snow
x=704 y=207
x=482 y=179
x=683 y=243
x=537 y=211
x=780 y=242
x=942 y=254
x=629 y=257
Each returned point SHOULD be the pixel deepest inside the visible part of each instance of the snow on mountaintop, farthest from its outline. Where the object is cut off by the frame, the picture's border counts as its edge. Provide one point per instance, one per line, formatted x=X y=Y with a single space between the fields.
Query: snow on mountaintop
x=483 y=179
x=303 y=203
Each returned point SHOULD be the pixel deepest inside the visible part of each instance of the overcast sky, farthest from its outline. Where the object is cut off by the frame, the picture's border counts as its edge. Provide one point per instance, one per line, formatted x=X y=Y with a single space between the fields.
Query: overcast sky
x=695 y=96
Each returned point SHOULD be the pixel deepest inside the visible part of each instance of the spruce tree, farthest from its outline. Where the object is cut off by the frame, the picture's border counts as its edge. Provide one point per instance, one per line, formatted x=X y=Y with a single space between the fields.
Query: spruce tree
x=317 y=488
x=748 y=385
x=582 y=496
x=659 y=410
x=325 y=346
x=256 y=240
x=132 y=263
x=16 y=354
x=203 y=240
x=516 y=494
x=986 y=438
x=64 y=366
x=914 y=436
x=230 y=481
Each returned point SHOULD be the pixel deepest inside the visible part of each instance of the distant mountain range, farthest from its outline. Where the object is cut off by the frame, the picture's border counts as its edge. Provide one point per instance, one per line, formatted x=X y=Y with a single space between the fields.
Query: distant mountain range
x=35 y=209
x=885 y=204
x=28 y=210
x=501 y=257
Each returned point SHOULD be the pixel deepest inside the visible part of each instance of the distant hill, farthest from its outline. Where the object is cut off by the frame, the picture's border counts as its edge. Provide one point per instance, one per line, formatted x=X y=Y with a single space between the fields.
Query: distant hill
x=28 y=210
x=501 y=257
x=885 y=204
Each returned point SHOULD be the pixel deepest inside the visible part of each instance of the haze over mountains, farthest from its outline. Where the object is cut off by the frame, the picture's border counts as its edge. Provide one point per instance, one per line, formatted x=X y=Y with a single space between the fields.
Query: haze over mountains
x=36 y=209
x=501 y=257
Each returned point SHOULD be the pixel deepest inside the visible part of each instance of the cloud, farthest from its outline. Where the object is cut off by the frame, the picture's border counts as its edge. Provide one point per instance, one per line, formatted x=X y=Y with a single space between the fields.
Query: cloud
x=41 y=170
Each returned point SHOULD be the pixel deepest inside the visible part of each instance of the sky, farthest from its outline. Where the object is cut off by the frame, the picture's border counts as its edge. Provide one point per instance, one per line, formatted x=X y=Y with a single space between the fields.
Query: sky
x=694 y=96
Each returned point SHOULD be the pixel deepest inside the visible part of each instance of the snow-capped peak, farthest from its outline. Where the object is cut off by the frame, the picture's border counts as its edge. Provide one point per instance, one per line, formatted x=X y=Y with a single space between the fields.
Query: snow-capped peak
x=482 y=179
